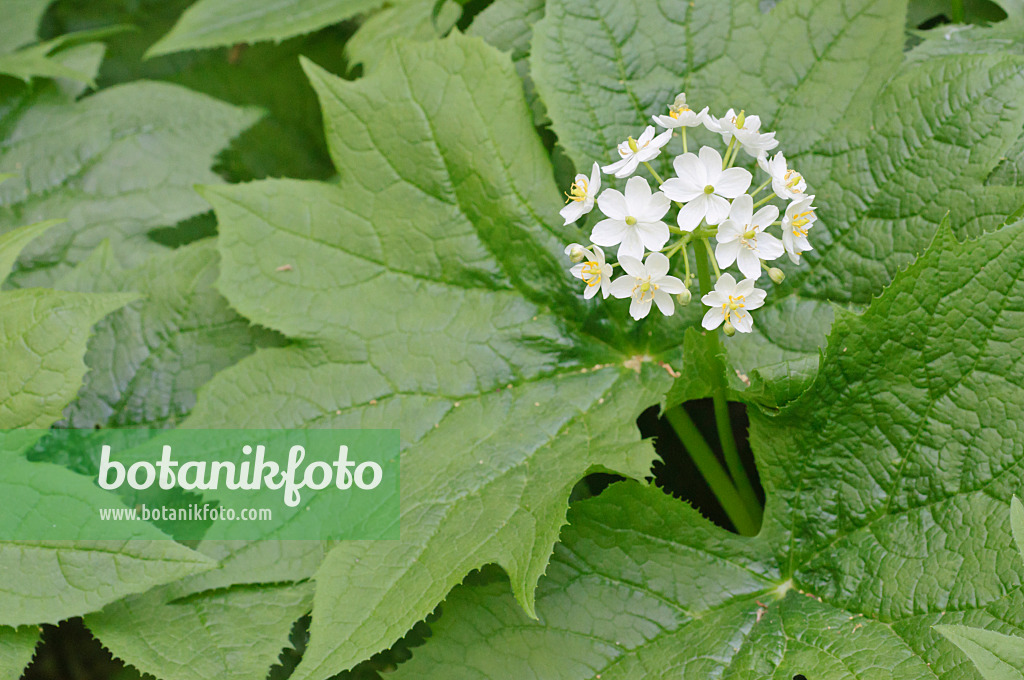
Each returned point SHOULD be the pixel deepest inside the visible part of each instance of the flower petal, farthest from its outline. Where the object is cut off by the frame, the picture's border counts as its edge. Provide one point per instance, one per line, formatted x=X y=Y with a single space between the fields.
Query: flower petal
x=613 y=168
x=717 y=209
x=729 y=231
x=657 y=266
x=733 y=182
x=743 y=323
x=664 y=302
x=741 y=211
x=692 y=213
x=654 y=235
x=769 y=247
x=638 y=193
x=629 y=168
x=622 y=287
x=633 y=266
x=572 y=212
x=712 y=318
x=712 y=162
x=726 y=285
x=727 y=252
x=608 y=232
x=748 y=262
x=682 y=190
x=765 y=216
x=638 y=309
x=689 y=169
x=671 y=284
x=613 y=204
x=655 y=208
x=631 y=244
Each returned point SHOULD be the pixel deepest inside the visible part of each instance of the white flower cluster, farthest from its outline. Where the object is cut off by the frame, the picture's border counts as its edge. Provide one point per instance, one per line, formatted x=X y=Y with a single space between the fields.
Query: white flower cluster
x=713 y=202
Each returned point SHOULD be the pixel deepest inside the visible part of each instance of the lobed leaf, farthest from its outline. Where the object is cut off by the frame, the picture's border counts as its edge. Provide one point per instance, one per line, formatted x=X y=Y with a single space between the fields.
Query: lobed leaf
x=887 y=484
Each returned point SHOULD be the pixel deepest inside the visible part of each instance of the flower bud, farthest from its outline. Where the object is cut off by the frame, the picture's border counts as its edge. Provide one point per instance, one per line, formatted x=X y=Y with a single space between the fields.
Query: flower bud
x=684 y=297
x=776 y=275
x=576 y=252
x=729 y=329
x=740 y=120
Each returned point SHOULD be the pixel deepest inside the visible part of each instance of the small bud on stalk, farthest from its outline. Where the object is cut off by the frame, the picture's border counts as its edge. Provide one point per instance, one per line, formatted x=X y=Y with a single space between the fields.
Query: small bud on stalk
x=776 y=275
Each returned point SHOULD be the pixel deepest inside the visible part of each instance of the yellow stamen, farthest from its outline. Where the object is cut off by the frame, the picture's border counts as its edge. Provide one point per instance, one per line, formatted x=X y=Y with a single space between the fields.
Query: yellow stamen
x=591 y=273
x=578 y=191
x=733 y=305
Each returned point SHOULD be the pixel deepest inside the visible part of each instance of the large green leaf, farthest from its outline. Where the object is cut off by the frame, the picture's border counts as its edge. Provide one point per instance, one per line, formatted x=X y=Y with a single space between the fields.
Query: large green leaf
x=213 y=23
x=997 y=656
x=429 y=293
x=887 y=149
x=17 y=645
x=231 y=634
x=21 y=19
x=43 y=335
x=125 y=163
x=149 y=359
x=287 y=142
x=887 y=484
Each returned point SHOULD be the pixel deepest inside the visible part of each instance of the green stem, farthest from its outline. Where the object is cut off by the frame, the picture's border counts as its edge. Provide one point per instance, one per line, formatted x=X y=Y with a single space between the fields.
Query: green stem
x=703 y=274
x=735 y=152
x=957 y=10
x=763 y=201
x=761 y=188
x=712 y=471
x=657 y=177
x=684 y=139
x=722 y=421
x=686 y=262
x=732 y=455
x=711 y=256
x=728 y=150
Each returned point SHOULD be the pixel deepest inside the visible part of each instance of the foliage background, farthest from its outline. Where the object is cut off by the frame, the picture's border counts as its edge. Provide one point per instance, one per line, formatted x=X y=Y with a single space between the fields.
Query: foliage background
x=887 y=481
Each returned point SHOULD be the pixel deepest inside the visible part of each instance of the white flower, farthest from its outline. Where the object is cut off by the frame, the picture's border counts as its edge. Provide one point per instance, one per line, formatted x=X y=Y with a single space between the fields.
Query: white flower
x=730 y=301
x=680 y=115
x=746 y=130
x=704 y=187
x=637 y=151
x=799 y=218
x=634 y=219
x=647 y=283
x=742 y=238
x=593 y=271
x=583 y=194
x=786 y=182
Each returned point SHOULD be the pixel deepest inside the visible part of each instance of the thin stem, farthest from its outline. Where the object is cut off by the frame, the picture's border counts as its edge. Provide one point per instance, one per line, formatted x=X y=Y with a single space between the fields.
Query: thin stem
x=684 y=139
x=732 y=455
x=761 y=188
x=735 y=152
x=711 y=256
x=728 y=150
x=763 y=201
x=703 y=275
x=712 y=471
x=957 y=10
x=657 y=177
x=686 y=262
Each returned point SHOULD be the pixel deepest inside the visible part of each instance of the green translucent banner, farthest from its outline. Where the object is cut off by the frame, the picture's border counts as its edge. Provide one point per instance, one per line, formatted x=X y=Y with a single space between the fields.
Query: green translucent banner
x=199 y=484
